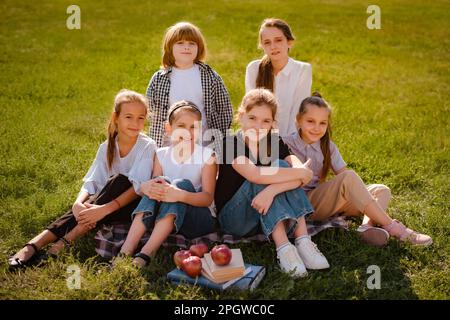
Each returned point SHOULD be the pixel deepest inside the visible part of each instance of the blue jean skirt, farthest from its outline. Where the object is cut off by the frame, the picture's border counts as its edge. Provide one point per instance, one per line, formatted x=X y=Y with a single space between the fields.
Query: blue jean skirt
x=190 y=221
x=239 y=218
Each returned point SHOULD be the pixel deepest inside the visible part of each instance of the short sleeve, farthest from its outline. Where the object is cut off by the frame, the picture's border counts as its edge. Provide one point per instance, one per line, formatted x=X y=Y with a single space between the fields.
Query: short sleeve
x=230 y=150
x=283 y=149
x=141 y=170
x=337 y=162
x=97 y=175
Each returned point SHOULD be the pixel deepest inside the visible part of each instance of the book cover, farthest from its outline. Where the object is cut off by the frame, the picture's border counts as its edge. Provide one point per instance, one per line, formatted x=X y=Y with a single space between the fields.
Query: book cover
x=251 y=279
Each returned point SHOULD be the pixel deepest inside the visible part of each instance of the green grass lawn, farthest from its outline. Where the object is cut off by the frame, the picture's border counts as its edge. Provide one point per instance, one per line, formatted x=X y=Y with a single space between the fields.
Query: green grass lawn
x=389 y=89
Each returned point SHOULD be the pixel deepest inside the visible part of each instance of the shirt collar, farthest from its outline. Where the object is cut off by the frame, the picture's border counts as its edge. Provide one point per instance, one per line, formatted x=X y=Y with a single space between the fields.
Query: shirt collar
x=302 y=144
x=201 y=65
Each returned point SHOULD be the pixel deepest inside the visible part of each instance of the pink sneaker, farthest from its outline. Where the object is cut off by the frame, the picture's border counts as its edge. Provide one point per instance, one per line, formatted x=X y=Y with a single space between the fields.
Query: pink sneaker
x=399 y=231
x=372 y=235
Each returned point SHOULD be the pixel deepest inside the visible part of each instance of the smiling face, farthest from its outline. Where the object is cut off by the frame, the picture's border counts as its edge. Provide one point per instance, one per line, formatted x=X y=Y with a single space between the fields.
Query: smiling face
x=184 y=127
x=130 y=120
x=185 y=52
x=313 y=124
x=275 y=44
x=257 y=122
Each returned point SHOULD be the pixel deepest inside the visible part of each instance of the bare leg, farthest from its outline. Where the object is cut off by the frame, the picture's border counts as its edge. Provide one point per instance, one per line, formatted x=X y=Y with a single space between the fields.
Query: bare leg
x=159 y=234
x=71 y=236
x=300 y=229
x=135 y=234
x=279 y=234
x=41 y=240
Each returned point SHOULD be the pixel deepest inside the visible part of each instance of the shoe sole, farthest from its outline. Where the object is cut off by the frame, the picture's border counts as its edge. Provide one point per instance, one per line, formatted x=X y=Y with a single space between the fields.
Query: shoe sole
x=375 y=236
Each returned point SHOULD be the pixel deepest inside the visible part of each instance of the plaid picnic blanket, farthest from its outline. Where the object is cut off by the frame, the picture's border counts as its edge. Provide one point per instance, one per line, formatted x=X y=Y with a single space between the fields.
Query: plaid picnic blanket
x=110 y=238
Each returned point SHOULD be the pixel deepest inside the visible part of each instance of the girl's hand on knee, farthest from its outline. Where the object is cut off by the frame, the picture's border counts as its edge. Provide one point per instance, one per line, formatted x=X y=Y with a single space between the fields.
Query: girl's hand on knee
x=154 y=189
x=171 y=193
x=263 y=201
x=92 y=214
x=77 y=208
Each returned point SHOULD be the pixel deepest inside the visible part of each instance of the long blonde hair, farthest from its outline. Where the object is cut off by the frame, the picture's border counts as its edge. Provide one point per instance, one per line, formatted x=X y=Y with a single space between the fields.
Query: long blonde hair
x=124 y=96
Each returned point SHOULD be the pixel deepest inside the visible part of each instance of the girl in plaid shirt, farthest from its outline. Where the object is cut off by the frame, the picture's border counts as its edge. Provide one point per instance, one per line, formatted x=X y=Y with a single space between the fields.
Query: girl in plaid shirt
x=185 y=76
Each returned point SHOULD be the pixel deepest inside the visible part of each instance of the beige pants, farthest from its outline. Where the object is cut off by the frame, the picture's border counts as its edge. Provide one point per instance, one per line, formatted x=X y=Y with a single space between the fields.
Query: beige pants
x=346 y=193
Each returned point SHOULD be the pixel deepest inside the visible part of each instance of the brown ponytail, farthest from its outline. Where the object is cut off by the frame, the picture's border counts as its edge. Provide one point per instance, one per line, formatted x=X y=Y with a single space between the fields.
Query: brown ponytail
x=317 y=100
x=124 y=96
x=265 y=77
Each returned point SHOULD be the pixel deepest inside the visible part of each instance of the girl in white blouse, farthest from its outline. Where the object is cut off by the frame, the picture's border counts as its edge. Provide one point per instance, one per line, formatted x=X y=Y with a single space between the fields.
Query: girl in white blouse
x=290 y=80
x=181 y=193
x=111 y=188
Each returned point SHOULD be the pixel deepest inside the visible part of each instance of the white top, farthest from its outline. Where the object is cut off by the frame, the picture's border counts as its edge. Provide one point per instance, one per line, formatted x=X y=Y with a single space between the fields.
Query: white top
x=190 y=169
x=292 y=85
x=186 y=84
x=137 y=165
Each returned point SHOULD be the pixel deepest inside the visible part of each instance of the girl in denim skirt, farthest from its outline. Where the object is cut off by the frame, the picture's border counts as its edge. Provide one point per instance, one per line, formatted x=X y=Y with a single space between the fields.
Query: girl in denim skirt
x=258 y=186
x=181 y=193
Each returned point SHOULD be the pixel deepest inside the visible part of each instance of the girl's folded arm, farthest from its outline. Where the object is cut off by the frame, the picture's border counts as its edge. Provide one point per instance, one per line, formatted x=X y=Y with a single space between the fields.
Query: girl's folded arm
x=277 y=188
x=266 y=175
x=206 y=196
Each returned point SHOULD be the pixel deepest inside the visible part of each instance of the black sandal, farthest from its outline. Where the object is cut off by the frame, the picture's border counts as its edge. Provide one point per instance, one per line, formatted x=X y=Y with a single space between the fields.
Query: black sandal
x=16 y=263
x=143 y=256
x=65 y=241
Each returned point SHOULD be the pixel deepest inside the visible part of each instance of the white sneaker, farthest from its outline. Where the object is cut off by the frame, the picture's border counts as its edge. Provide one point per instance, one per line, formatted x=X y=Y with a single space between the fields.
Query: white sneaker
x=290 y=261
x=311 y=255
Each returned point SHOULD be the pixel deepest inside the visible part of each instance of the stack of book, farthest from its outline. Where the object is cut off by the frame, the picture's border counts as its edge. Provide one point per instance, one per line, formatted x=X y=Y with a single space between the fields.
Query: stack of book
x=220 y=274
x=235 y=275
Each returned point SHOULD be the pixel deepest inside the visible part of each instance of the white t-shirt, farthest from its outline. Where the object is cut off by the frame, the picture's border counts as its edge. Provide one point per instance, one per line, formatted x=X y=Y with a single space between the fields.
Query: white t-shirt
x=137 y=165
x=292 y=85
x=190 y=169
x=186 y=84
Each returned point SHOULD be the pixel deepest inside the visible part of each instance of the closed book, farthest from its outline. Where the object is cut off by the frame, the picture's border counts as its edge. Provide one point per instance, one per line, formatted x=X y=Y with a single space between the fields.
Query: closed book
x=235 y=267
x=206 y=272
x=249 y=281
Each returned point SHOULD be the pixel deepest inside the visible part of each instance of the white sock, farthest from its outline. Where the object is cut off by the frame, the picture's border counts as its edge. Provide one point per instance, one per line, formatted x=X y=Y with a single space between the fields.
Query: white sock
x=297 y=240
x=284 y=245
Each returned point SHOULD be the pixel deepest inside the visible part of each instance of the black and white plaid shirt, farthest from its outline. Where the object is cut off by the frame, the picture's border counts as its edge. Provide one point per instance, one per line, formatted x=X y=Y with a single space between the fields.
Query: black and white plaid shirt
x=216 y=99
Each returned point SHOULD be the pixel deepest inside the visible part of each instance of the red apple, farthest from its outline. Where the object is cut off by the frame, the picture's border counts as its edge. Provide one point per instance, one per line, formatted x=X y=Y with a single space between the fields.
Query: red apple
x=221 y=255
x=179 y=256
x=199 y=249
x=192 y=266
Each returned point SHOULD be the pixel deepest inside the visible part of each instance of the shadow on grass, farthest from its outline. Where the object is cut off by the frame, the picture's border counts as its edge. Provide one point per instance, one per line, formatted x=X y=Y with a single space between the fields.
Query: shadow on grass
x=346 y=279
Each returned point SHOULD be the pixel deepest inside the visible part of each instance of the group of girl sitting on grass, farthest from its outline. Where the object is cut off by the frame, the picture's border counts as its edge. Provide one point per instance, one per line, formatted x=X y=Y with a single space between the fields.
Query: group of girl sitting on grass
x=192 y=176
